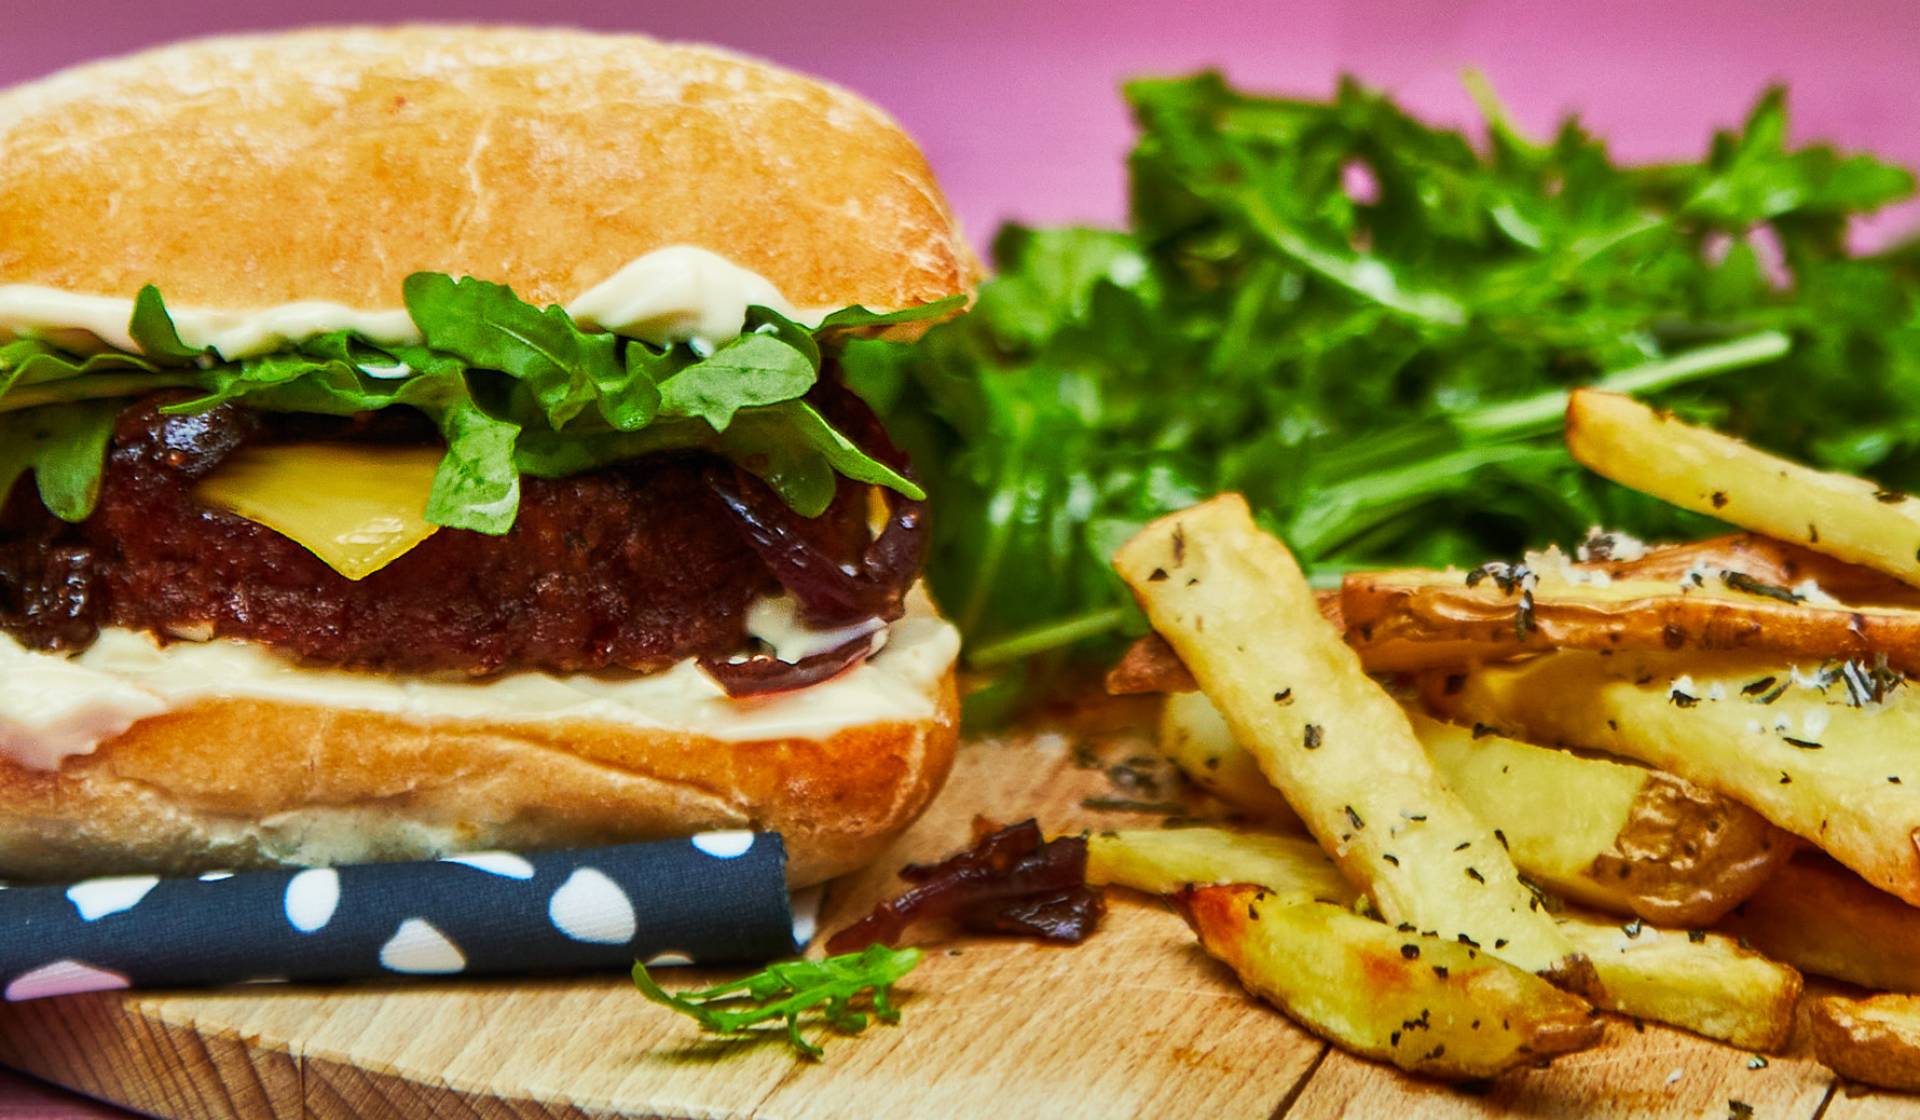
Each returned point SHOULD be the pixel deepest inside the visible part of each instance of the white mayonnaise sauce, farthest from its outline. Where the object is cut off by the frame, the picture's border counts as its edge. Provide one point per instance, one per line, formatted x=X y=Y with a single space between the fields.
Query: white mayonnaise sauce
x=681 y=293
x=53 y=707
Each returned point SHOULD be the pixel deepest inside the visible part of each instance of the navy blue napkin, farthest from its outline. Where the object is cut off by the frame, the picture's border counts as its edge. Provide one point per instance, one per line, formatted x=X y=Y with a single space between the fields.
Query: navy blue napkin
x=717 y=898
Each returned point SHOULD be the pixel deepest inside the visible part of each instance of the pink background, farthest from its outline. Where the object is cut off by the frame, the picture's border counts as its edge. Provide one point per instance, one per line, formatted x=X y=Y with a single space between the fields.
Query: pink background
x=1014 y=99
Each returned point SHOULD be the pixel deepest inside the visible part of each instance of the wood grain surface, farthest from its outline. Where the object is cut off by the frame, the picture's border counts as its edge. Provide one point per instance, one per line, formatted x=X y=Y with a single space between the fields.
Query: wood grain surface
x=1135 y=1022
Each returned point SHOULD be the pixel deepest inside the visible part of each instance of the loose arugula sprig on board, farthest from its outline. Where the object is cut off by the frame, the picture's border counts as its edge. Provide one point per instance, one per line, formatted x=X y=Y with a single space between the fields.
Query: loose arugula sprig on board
x=793 y=989
x=514 y=389
x=1368 y=325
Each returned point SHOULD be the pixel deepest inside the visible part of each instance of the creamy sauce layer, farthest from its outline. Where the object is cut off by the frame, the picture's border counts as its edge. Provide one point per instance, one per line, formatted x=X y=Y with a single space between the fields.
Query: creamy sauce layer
x=681 y=293
x=54 y=707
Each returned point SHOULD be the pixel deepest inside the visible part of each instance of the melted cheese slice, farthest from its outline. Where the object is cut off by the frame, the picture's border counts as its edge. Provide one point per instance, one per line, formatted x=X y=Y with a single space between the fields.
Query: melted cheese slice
x=358 y=507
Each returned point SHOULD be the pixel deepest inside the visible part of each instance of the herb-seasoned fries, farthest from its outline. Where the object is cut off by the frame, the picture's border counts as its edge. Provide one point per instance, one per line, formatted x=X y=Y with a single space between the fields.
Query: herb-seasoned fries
x=1761 y=683
x=1608 y=834
x=1704 y=471
x=1604 y=833
x=1874 y=1040
x=1705 y=982
x=1828 y=756
x=1163 y=860
x=1822 y=919
x=1426 y=1004
x=1233 y=604
x=1514 y=609
x=1197 y=740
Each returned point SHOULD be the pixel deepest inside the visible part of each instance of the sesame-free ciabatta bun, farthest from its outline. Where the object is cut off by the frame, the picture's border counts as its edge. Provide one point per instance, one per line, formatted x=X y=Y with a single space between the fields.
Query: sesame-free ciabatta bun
x=327 y=165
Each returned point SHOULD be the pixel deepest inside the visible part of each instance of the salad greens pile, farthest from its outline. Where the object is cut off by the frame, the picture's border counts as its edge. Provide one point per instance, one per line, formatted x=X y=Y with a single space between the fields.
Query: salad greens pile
x=1368 y=325
x=514 y=389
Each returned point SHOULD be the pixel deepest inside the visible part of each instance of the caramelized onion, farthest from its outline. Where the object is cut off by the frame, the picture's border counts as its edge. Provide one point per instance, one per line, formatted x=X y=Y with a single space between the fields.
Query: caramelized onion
x=833 y=588
x=763 y=674
x=1012 y=880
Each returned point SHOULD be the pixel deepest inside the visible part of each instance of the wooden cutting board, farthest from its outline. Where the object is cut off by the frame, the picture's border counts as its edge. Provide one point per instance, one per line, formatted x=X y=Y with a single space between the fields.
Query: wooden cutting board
x=1135 y=1022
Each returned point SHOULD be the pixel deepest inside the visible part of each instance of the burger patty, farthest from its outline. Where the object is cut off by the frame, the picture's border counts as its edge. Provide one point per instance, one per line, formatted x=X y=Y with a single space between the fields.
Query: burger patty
x=632 y=567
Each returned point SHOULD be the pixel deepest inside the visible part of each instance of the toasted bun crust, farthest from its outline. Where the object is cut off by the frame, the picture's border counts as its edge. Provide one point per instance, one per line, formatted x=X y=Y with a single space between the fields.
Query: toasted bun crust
x=253 y=171
x=237 y=784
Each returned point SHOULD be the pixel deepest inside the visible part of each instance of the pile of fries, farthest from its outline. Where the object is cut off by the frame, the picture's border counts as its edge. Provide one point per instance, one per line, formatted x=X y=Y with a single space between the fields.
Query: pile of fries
x=1663 y=781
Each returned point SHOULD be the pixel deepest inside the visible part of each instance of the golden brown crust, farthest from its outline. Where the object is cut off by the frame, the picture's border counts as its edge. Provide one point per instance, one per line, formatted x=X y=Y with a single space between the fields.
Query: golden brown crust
x=1687 y=854
x=252 y=783
x=328 y=165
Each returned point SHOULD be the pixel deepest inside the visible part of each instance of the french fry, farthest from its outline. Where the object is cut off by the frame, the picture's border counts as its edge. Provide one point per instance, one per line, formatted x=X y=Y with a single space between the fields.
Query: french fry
x=1835 y=764
x=1196 y=739
x=1824 y=920
x=1163 y=860
x=1427 y=1005
x=1388 y=643
x=1874 y=1040
x=1761 y=558
x=1708 y=609
x=1608 y=834
x=1705 y=983
x=1707 y=472
x=1149 y=665
x=1233 y=604
x=1603 y=833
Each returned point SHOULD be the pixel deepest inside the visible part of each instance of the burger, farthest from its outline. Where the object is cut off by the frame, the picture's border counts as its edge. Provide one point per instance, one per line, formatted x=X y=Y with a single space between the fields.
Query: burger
x=432 y=439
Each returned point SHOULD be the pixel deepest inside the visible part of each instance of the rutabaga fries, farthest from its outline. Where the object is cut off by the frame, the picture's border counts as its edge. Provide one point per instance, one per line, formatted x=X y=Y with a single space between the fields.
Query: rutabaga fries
x=1823 y=919
x=1608 y=834
x=1232 y=603
x=1831 y=757
x=1427 y=1005
x=1603 y=833
x=1874 y=1040
x=1163 y=860
x=1717 y=475
x=1520 y=609
x=1703 y=982
x=1196 y=739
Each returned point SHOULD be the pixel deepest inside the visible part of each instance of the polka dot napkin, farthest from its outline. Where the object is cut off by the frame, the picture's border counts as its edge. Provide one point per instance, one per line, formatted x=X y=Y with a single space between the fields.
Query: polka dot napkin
x=720 y=897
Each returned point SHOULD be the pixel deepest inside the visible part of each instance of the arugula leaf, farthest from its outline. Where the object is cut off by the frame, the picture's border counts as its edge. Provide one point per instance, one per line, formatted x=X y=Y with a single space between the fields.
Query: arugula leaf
x=153 y=331
x=478 y=484
x=1368 y=326
x=857 y=317
x=792 y=989
x=487 y=326
x=64 y=448
x=753 y=369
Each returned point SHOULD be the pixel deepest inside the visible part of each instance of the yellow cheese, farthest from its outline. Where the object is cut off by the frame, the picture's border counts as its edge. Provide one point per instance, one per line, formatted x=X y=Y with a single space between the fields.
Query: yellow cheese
x=359 y=507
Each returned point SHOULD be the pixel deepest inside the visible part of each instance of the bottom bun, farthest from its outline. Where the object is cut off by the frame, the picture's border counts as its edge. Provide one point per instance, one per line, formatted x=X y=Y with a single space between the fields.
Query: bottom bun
x=230 y=784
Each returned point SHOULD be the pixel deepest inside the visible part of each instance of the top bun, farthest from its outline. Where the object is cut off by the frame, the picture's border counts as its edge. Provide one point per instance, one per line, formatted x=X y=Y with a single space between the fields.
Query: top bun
x=245 y=172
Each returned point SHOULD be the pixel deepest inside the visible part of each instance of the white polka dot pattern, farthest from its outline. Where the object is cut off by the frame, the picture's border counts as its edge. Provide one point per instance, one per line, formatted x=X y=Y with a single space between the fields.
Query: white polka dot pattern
x=591 y=907
x=731 y=844
x=806 y=915
x=418 y=948
x=312 y=897
x=663 y=960
x=504 y=864
x=720 y=898
x=97 y=898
